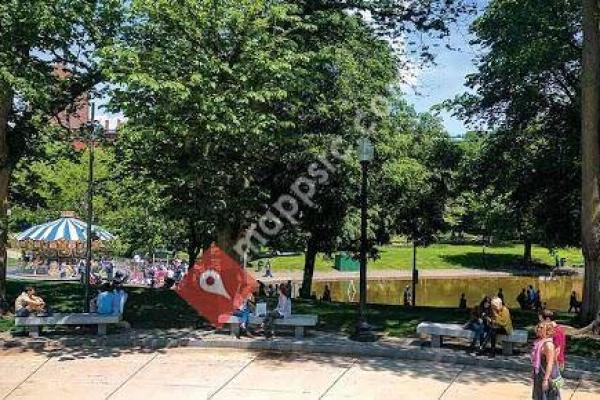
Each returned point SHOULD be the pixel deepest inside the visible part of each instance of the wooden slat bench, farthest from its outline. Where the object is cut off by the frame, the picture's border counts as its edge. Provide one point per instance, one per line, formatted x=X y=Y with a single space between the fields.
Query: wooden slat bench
x=298 y=321
x=437 y=331
x=34 y=324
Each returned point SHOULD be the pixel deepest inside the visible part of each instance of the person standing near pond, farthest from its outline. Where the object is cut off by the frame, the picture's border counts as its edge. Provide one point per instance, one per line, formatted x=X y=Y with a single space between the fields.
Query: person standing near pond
x=522 y=299
x=537 y=304
x=407 y=296
x=462 y=303
x=546 y=375
x=326 y=294
x=573 y=303
x=530 y=296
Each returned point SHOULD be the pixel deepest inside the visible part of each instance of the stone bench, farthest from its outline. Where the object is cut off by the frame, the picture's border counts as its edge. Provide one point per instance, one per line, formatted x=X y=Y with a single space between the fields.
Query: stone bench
x=34 y=323
x=437 y=331
x=298 y=321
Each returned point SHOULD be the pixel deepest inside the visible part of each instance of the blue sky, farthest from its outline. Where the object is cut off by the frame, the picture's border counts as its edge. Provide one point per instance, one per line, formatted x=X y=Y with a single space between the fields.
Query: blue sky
x=446 y=78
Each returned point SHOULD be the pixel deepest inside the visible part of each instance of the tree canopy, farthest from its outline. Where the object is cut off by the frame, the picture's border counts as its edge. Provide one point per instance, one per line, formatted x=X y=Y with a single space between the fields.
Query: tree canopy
x=47 y=61
x=526 y=93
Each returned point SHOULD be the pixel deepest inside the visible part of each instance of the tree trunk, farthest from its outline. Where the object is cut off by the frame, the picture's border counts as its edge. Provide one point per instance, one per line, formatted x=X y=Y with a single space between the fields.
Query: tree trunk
x=193 y=252
x=527 y=251
x=5 y=106
x=590 y=154
x=226 y=239
x=309 y=268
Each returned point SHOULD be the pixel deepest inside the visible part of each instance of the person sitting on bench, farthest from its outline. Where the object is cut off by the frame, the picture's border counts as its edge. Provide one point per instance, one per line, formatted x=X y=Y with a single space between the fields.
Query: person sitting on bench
x=28 y=303
x=243 y=313
x=119 y=298
x=283 y=310
x=501 y=323
x=105 y=300
x=480 y=323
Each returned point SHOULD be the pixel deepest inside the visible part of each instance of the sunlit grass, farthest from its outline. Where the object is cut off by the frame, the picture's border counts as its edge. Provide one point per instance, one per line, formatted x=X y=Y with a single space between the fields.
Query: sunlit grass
x=441 y=256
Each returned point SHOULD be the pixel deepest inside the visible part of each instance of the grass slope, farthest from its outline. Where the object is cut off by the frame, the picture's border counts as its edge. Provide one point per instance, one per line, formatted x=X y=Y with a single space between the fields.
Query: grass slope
x=441 y=256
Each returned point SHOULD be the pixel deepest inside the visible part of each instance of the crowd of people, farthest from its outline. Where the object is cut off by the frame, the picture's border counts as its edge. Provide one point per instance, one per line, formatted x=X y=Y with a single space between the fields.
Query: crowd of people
x=138 y=271
x=530 y=299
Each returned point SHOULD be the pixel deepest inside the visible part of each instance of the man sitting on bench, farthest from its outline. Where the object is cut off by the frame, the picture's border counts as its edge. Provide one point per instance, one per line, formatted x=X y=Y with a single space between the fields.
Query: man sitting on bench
x=28 y=303
x=283 y=310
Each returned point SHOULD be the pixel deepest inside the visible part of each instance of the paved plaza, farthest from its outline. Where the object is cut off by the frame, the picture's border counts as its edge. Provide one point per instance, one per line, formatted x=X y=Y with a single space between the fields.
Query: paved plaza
x=231 y=374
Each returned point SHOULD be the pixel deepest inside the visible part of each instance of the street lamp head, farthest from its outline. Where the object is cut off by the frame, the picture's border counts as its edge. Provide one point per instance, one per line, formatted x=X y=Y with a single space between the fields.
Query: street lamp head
x=365 y=150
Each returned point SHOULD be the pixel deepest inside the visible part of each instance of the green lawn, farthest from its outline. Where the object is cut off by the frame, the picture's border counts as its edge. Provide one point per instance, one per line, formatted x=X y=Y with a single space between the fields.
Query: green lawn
x=441 y=256
x=155 y=308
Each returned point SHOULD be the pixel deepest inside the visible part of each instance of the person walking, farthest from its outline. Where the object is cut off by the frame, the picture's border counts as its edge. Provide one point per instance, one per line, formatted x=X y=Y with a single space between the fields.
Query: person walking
x=546 y=375
x=500 y=295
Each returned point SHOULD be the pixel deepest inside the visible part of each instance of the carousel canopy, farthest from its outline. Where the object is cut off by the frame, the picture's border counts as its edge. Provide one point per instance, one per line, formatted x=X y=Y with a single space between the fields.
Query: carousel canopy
x=63 y=229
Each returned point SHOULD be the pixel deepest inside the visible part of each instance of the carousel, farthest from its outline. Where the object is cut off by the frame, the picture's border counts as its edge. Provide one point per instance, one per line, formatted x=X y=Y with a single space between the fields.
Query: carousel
x=60 y=243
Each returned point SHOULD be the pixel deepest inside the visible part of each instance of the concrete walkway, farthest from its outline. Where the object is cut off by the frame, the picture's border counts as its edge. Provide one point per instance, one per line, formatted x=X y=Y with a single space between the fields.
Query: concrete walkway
x=229 y=374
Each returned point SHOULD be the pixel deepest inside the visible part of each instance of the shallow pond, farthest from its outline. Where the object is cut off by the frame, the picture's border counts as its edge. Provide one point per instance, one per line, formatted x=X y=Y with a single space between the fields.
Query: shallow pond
x=446 y=292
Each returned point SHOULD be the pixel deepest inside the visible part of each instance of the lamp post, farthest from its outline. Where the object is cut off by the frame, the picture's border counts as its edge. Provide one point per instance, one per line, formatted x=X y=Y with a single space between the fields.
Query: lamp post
x=363 y=329
x=93 y=129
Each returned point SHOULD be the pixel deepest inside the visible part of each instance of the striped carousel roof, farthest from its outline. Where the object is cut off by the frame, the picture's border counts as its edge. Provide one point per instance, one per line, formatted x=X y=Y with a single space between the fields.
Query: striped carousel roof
x=66 y=228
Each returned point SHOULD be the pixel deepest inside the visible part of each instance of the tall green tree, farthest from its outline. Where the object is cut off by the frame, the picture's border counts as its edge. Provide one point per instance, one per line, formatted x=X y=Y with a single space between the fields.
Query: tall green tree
x=332 y=98
x=199 y=82
x=590 y=141
x=526 y=93
x=417 y=160
x=35 y=37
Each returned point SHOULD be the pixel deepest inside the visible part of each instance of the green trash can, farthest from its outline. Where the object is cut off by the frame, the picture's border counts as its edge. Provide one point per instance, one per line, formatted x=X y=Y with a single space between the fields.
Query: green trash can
x=345 y=262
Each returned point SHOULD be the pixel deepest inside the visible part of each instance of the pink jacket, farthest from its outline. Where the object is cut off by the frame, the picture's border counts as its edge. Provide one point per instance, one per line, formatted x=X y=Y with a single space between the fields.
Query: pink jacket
x=560 y=340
